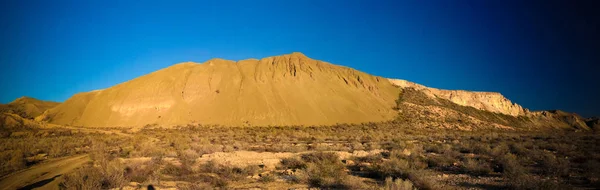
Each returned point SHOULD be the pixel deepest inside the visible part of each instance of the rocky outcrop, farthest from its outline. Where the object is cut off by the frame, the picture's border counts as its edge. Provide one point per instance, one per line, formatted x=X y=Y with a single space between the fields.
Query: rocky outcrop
x=593 y=123
x=560 y=119
x=488 y=101
x=281 y=90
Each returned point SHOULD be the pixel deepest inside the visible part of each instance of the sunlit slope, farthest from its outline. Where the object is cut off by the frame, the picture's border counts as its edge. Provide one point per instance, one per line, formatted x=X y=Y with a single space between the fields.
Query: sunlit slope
x=282 y=90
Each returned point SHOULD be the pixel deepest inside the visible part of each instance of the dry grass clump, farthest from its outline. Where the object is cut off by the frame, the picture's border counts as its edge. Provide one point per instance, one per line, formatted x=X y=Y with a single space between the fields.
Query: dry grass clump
x=11 y=161
x=87 y=177
x=324 y=170
x=143 y=172
x=477 y=167
x=96 y=177
x=398 y=184
x=292 y=163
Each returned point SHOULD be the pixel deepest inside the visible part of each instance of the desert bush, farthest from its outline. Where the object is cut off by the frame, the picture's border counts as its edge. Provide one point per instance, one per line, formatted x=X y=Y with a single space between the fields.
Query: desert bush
x=113 y=174
x=357 y=146
x=510 y=167
x=90 y=177
x=141 y=172
x=394 y=167
x=434 y=148
x=476 y=167
x=147 y=148
x=530 y=182
x=324 y=170
x=228 y=172
x=292 y=163
x=206 y=148
x=11 y=161
x=209 y=167
x=398 y=184
x=187 y=157
x=86 y=178
x=553 y=166
x=589 y=165
x=266 y=179
x=424 y=179
x=480 y=148
x=518 y=149
x=440 y=161
x=176 y=171
x=499 y=150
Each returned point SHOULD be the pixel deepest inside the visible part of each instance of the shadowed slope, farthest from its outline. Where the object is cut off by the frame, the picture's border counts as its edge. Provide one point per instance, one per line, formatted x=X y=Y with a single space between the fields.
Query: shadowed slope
x=282 y=90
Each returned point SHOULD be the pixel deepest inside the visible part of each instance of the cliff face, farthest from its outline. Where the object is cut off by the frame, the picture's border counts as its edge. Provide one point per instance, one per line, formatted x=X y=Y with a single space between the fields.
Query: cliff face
x=282 y=90
x=488 y=101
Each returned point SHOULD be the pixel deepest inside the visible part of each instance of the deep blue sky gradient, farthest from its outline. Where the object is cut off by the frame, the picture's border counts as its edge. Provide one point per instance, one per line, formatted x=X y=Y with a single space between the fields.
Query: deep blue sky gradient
x=542 y=55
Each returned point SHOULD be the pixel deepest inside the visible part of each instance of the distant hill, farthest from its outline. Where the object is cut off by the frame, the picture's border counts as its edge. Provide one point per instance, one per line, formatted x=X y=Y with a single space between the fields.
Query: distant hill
x=27 y=107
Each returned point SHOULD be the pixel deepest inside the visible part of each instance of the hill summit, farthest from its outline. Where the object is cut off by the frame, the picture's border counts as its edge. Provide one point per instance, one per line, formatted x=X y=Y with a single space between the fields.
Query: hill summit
x=27 y=107
x=290 y=89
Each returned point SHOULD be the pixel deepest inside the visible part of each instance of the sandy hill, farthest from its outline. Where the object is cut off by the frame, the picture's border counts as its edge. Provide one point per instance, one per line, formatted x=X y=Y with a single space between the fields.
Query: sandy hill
x=281 y=90
x=27 y=107
x=292 y=90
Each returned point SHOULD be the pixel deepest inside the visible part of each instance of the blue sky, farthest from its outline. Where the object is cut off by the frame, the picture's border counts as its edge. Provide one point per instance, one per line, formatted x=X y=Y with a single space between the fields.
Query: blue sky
x=540 y=55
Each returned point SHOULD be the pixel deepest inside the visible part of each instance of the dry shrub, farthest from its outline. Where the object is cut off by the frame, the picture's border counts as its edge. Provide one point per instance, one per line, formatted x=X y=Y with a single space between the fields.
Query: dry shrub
x=592 y=173
x=228 y=172
x=90 y=177
x=188 y=157
x=176 y=171
x=442 y=161
x=518 y=149
x=148 y=148
x=530 y=182
x=140 y=172
x=476 y=167
x=554 y=166
x=206 y=148
x=292 y=163
x=324 y=170
x=398 y=184
x=499 y=150
x=86 y=178
x=424 y=179
x=394 y=167
x=266 y=179
x=114 y=174
x=510 y=167
x=11 y=161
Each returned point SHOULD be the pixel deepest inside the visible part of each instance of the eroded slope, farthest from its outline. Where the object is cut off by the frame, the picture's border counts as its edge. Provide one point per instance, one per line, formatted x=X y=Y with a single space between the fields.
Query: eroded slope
x=282 y=90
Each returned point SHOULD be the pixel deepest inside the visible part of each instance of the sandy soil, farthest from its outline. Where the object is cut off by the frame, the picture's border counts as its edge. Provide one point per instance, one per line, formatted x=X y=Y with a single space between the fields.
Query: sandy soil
x=268 y=159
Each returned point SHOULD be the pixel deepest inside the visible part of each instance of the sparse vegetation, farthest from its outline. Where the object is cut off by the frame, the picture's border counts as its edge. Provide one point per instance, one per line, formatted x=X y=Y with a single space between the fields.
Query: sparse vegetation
x=404 y=157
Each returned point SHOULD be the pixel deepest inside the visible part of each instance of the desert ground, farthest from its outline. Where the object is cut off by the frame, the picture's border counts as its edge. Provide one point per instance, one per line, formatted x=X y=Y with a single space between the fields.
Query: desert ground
x=384 y=155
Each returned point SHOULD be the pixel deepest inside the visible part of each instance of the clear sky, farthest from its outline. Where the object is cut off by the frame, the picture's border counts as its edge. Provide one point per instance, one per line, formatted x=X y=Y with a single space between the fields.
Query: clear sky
x=542 y=55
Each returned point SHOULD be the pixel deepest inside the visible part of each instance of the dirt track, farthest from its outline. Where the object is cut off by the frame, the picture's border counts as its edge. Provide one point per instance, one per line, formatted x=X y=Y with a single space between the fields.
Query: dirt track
x=45 y=175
